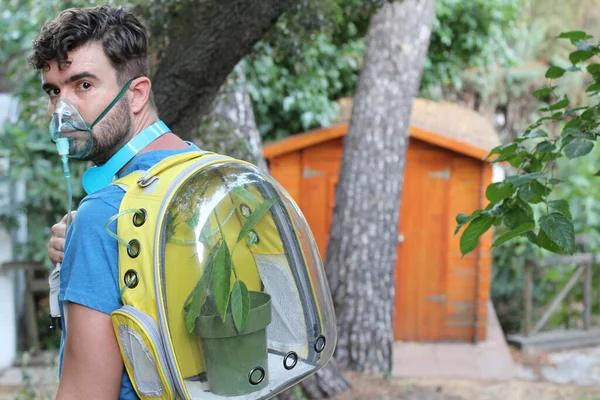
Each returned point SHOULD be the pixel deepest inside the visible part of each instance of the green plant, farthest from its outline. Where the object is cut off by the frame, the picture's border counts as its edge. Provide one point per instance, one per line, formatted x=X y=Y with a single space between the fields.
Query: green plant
x=214 y=293
x=523 y=202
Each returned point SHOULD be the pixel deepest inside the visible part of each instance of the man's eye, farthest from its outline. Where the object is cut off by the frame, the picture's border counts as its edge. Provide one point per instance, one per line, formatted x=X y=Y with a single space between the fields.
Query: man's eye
x=53 y=92
x=85 y=85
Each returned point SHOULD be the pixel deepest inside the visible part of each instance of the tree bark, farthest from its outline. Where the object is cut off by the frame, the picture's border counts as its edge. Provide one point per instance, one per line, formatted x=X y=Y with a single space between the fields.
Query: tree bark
x=327 y=382
x=211 y=38
x=230 y=127
x=361 y=254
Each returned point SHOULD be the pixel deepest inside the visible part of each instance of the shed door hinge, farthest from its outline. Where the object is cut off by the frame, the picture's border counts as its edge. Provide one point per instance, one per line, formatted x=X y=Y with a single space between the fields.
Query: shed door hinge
x=309 y=173
x=440 y=298
x=443 y=174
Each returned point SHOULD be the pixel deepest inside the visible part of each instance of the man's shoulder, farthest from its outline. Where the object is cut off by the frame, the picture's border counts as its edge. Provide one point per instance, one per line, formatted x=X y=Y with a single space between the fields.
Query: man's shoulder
x=145 y=161
x=104 y=201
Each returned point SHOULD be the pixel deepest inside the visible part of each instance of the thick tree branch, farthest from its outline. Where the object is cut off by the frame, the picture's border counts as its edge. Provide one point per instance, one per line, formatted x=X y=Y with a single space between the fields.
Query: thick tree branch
x=213 y=37
x=229 y=127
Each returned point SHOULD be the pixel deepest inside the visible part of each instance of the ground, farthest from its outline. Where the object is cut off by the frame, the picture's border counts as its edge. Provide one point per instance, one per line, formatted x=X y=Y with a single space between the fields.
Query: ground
x=577 y=373
x=430 y=389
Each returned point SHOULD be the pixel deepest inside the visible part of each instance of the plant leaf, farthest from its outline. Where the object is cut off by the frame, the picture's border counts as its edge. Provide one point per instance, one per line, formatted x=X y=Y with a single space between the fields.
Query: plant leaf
x=462 y=219
x=499 y=191
x=593 y=69
x=578 y=148
x=555 y=72
x=518 y=231
x=240 y=305
x=557 y=106
x=504 y=150
x=197 y=298
x=543 y=92
x=517 y=216
x=545 y=242
x=256 y=215
x=193 y=311
x=574 y=36
x=545 y=147
x=588 y=114
x=246 y=196
x=518 y=180
x=575 y=123
x=562 y=206
x=470 y=237
x=594 y=87
x=192 y=221
x=222 y=279
x=533 y=192
x=559 y=230
x=536 y=134
x=580 y=55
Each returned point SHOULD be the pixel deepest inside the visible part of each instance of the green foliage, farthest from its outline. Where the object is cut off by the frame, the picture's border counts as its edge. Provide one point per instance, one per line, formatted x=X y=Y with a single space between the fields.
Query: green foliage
x=471 y=34
x=213 y=293
x=507 y=282
x=535 y=154
x=296 y=78
x=578 y=196
x=292 y=95
x=33 y=157
x=509 y=260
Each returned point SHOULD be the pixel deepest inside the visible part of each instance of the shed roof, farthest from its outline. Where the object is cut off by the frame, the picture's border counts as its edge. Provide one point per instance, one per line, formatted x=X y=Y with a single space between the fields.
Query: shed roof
x=443 y=124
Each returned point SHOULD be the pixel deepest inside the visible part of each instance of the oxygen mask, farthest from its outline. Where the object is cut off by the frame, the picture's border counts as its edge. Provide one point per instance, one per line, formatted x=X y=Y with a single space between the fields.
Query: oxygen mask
x=68 y=123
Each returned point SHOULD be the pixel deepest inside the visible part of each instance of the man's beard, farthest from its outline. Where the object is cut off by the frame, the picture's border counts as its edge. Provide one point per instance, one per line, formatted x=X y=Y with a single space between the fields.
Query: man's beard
x=111 y=133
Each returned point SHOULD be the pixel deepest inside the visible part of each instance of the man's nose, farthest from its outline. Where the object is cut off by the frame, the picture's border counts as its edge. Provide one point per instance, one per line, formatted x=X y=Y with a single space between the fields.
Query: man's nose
x=64 y=97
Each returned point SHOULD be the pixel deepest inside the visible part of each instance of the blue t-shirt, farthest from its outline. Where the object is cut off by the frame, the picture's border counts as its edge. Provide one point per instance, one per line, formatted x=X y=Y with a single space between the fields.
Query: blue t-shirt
x=90 y=271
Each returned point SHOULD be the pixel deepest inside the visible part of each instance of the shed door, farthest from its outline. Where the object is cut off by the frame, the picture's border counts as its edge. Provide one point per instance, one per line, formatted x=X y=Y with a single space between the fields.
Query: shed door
x=320 y=170
x=421 y=264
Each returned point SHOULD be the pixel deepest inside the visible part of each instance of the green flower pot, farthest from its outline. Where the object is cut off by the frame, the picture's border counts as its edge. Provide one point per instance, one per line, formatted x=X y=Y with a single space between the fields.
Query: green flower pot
x=237 y=363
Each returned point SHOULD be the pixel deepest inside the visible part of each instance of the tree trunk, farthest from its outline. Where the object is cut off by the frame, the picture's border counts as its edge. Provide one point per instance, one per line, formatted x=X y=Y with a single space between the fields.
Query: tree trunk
x=230 y=127
x=326 y=383
x=361 y=254
x=209 y=38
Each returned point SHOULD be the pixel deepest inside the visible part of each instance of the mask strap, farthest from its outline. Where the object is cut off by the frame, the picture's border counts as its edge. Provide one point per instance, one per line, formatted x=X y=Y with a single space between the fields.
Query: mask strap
x=111 y=105
x=95 y=178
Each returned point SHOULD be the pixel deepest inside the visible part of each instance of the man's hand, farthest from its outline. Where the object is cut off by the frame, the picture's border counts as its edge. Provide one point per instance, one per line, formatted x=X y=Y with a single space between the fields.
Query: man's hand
x=56 y=244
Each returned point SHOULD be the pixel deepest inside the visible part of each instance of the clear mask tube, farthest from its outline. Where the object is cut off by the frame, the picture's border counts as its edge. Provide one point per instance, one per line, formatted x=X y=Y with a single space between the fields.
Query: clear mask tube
x=62 y=145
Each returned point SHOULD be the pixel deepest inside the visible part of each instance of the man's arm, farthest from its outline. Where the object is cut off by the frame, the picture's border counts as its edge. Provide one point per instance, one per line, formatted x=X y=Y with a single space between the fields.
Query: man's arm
x=92 y=365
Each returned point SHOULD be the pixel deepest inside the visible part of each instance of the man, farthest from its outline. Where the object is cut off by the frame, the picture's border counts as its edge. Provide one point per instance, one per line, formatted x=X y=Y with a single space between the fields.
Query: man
x=89 y=57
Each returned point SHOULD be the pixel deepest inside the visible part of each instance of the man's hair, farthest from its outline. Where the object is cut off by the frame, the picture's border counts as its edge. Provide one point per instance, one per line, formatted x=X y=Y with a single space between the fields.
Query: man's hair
x=122 y=36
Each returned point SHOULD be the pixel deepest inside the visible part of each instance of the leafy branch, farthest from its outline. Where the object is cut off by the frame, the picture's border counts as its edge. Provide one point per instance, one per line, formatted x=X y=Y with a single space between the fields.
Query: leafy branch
x=534 y=155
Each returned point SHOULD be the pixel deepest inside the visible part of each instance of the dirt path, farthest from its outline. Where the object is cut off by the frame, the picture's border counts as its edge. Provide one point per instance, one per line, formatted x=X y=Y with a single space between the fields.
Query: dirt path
x=365 y=388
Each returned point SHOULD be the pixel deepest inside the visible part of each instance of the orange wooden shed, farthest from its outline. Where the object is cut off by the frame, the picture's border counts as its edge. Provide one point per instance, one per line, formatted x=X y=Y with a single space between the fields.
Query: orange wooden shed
x=440 y=296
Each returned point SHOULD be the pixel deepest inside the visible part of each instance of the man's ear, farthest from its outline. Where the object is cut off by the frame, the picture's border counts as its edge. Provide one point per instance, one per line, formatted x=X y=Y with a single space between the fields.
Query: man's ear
x=140 y=88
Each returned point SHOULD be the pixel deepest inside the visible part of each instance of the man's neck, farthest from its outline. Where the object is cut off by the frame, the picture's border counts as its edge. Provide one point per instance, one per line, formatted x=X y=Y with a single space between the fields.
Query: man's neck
x=168 y=141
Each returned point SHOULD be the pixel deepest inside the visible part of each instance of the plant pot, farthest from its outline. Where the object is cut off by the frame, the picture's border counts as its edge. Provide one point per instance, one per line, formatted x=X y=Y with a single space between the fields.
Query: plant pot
x=236 y=363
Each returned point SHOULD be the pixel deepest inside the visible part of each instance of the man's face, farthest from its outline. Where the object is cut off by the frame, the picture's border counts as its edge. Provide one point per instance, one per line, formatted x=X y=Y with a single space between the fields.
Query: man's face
x=89 y=81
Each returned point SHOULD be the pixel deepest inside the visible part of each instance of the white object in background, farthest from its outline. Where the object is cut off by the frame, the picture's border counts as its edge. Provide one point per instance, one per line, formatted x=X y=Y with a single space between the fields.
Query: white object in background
x=498 y=173
x=8 y=328
x=8 y=297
